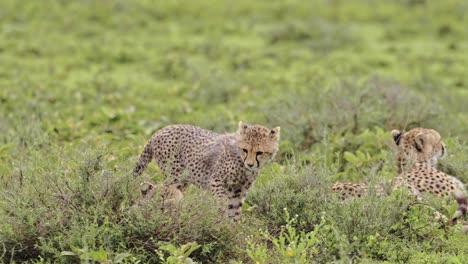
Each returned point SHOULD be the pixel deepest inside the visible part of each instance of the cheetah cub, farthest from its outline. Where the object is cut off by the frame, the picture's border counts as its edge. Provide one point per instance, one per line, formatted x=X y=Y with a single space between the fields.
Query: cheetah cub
x=225 y=164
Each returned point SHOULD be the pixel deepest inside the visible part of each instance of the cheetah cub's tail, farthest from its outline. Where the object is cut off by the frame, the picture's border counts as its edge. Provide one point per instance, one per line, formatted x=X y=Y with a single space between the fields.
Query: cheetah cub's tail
x=145 y=158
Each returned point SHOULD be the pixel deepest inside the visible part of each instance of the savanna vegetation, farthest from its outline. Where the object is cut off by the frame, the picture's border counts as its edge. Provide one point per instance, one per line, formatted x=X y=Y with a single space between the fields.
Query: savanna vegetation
x=84 y=84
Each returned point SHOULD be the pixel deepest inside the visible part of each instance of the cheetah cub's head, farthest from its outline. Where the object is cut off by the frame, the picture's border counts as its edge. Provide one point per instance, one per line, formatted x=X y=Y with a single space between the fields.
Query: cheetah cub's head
x=257 y=144
x=419 y=145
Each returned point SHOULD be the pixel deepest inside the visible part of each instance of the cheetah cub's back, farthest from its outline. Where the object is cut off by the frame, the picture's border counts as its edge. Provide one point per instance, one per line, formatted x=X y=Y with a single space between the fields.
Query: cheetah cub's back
x=225 y=164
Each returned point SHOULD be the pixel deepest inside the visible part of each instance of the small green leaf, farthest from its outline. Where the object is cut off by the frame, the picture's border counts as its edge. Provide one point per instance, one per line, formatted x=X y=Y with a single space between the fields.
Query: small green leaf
x=121 y=257
x=351 y=158
x=67 y=253
x=100 y=255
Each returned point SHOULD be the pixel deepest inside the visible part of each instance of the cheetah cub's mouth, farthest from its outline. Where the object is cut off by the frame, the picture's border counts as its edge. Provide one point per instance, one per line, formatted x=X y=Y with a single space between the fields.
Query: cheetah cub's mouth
x=257 y=145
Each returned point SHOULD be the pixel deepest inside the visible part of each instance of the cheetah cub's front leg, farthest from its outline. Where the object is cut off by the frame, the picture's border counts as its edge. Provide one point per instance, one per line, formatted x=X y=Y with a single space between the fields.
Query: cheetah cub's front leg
x=235 y=200
x=230 y=202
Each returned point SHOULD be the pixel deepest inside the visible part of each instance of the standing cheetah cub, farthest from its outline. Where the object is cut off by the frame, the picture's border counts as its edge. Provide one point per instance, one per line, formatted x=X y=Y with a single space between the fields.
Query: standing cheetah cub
x=225 y=164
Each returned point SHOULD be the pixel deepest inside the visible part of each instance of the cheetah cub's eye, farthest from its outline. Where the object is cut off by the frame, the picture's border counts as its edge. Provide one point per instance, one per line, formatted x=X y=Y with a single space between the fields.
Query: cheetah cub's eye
x=259 y=153
x=245 y=151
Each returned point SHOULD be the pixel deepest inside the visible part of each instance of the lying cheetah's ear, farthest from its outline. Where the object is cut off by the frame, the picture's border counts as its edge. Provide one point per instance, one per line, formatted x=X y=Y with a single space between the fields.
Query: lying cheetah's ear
x=275 y=132
x=396 y=136
x=419 y=141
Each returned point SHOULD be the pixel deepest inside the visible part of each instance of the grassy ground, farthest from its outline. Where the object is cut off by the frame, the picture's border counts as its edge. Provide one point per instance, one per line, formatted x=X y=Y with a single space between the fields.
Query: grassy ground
x=83 y=85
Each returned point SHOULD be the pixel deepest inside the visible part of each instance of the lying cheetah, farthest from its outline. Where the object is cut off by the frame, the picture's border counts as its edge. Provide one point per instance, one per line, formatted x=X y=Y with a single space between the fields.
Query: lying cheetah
x=225 y=164
x=349 y=189
x=418 y=152
x=160 y=197
x=169 y=194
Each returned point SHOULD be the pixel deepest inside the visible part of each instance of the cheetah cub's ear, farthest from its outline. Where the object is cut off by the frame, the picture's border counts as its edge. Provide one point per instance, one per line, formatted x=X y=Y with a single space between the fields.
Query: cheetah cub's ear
x=396 y=136
x=275 y=133
x=242 y=126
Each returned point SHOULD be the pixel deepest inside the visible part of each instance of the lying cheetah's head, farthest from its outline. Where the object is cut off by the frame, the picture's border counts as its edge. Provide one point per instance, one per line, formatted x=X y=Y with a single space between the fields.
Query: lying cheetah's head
x=418 y=145
x=257 y=144
x=146 y=190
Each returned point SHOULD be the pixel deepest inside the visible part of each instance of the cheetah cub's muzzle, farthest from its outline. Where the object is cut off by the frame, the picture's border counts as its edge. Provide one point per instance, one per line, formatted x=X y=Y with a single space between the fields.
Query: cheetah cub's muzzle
x=257 y=145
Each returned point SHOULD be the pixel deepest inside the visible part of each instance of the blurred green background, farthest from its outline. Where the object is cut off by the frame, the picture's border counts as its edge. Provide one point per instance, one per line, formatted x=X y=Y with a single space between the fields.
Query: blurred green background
x=84 y=84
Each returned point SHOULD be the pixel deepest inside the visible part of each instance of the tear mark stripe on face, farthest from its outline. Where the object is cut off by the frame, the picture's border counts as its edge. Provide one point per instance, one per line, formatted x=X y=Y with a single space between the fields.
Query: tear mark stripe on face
x=246 y=154
x=256 y=157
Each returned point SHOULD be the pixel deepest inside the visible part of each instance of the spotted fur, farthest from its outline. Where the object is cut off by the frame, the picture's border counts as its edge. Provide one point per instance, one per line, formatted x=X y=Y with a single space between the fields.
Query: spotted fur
x=225 y=164
x=169 y=194
x=348 y=189
x=418 y=152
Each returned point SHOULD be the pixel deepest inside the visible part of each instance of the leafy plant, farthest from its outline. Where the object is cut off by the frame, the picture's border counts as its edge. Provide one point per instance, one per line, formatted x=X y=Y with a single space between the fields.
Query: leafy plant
x=177 y=255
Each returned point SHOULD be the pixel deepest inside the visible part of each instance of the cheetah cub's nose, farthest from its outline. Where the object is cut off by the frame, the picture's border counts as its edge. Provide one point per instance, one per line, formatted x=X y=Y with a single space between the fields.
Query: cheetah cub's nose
x=250 y=165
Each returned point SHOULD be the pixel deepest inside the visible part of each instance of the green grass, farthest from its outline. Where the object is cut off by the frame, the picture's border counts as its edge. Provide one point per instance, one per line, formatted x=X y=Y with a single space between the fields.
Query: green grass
x=84 y=84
